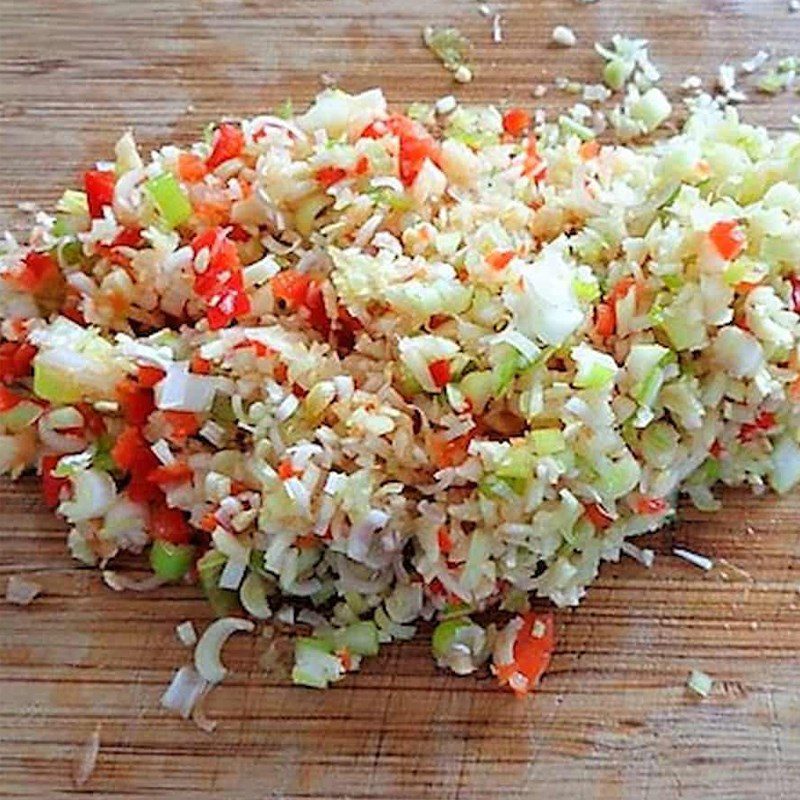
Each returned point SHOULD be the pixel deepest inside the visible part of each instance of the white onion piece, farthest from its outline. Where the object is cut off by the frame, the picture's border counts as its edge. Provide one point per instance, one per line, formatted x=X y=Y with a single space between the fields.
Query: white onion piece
x=299 y=494
x=181 y=390
x=186 y=633
x=162 y=451
x=207 y=653
x=232 y=574
x=287 y=407
x=268 y=121
x=184 y=691
x=95 y=492
x=360 y=537
x=229 y=545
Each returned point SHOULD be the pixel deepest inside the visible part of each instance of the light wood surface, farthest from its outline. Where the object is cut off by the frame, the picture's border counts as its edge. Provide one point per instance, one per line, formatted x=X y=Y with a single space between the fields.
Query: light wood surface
x=613 y=718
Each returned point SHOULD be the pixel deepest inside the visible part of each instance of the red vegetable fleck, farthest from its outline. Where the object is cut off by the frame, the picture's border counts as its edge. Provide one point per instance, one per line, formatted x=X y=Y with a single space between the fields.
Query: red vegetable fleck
x=516 y=121
x=439 y=371
x=51 y=485
x=598 y=516
x=169 y=524
x=651 y=505
x=728 y=238
x=228 y=143
x=99 y=186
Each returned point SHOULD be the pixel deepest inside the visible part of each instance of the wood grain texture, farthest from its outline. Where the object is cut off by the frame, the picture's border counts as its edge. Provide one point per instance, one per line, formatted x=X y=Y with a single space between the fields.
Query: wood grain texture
x=612 y=719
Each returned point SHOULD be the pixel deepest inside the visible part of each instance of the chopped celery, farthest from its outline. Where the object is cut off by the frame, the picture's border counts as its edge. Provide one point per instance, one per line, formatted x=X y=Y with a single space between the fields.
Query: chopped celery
x=53 y=384
x=73 y=203
x=785 y=472
x=570 y=125
x=651 y=109
x=586 y=291
x=615 y=73
x=315 y=666
x=308 y=211
x=20 y=416
x=620 y=477
x=172 y=203
x=419 y=111
x=478 y=388
x=171 y=561
x=505 y=370
x=517 y=465
x=547 y=441
x=253 y=594
x=445 y=633
x=659 y=442
x=209 y=569
x=360 y=638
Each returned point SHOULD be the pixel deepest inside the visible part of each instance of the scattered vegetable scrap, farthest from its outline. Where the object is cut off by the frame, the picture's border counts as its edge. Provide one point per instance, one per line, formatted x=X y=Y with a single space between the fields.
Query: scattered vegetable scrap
x=451 y=47
x=21 y=591
x=700 y=683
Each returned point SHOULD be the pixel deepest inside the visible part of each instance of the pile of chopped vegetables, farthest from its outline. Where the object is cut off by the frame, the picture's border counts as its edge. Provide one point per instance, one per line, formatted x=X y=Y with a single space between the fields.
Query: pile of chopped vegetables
x=356 y=369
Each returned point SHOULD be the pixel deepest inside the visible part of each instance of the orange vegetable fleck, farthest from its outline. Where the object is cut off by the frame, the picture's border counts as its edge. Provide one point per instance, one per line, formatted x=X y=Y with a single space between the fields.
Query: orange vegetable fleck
x=280 y=371
x=533 y=648
x=148 y=376
x=621 y=288
x=499 y=259
x=516 y=121
x=191 y=168
x=169 y=524
x=200 y=365
x=534 y=167
x=8 y=399
x=651 y=505
x=329 y=175
x=362 y=166
x=444 y=539
x=176 y=472
x=598 y=516
x=182 y=424
x=589 y=150
x=446 y=453
x=208 y=522
x=728 y=238
x=605 y=321
x=286 y=469
x=307 y=541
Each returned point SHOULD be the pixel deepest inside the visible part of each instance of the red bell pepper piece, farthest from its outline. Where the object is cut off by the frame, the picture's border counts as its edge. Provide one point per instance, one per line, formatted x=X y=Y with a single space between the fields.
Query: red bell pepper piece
x=99 y=186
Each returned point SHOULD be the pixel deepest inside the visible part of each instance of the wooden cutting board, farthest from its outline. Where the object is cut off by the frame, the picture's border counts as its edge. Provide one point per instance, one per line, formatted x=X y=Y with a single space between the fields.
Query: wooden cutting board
x=612 y=718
